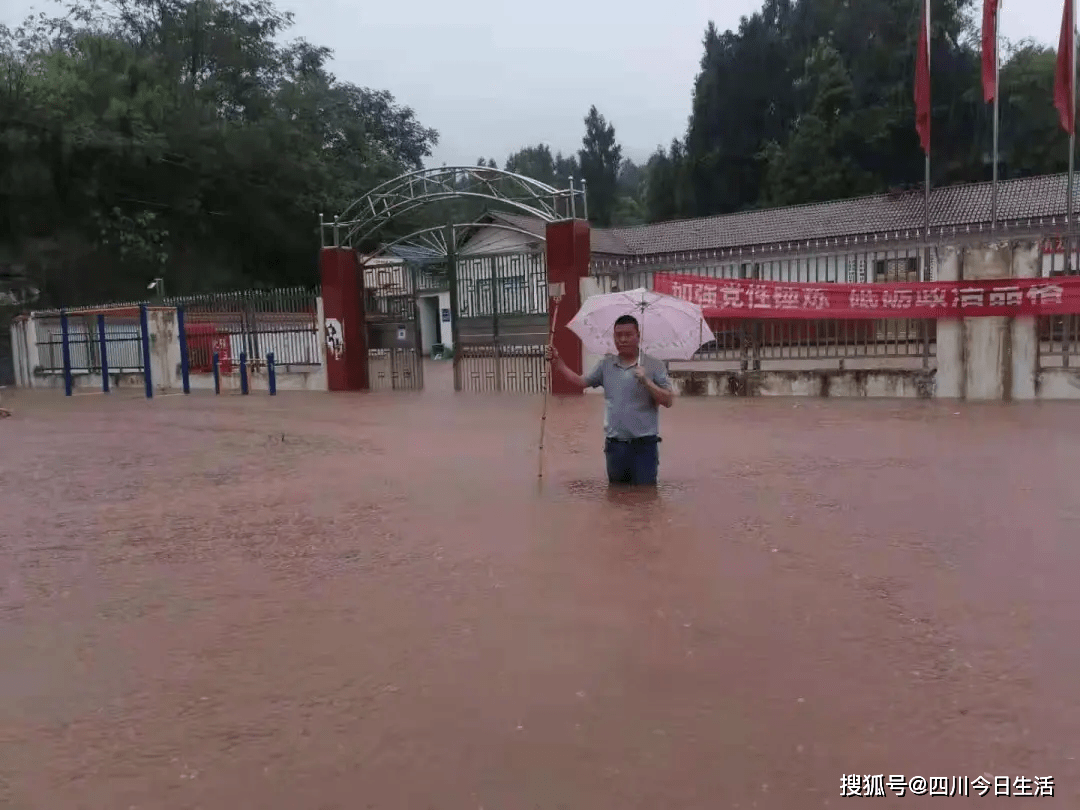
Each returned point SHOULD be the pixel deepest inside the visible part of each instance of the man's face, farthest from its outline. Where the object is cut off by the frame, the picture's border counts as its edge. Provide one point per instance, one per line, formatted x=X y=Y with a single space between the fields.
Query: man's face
x=626 y=339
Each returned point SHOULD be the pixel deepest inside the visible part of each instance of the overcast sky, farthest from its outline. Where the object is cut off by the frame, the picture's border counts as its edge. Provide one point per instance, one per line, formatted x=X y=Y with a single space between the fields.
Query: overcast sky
x=494 y=75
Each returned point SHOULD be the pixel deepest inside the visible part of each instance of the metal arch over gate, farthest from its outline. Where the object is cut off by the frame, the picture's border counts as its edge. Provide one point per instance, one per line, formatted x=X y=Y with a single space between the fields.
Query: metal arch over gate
x=498 y=302
x=367 y=215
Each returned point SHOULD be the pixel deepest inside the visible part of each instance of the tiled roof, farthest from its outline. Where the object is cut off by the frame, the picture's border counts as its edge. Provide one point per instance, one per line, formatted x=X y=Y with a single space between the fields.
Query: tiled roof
x=601 y=240
x=531 y=225
x=950 y=206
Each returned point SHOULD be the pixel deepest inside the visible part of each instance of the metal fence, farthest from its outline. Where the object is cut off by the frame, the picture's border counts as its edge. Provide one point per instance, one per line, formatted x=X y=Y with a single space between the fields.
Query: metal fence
x=253 y=322
x=123 y=343
x=502 y=322
x=749 y=342
x=1059 y=335
x=394 y=344
x=256 y=323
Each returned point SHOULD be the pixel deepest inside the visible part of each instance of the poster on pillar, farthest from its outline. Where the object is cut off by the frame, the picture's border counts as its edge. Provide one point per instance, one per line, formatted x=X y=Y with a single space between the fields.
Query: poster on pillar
x=741 y=298
x=344 y=325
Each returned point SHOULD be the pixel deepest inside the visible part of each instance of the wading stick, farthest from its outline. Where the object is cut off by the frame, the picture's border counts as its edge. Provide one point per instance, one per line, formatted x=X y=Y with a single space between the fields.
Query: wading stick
x=555 y=290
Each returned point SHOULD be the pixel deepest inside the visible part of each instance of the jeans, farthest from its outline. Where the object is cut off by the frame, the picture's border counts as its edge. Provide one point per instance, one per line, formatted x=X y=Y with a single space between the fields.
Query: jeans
x=633 y=461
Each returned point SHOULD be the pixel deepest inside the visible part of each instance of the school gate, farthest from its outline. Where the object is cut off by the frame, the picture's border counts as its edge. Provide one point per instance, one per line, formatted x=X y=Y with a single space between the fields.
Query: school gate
x=500 y=310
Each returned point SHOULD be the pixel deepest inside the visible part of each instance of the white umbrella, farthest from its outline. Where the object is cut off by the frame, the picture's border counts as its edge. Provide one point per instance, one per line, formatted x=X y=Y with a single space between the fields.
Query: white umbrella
x=671 y=328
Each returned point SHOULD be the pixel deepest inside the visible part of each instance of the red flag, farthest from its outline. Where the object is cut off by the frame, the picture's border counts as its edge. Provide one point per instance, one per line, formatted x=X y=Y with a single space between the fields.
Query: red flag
x=989 y=49
x=1064 y=92
x=922 y=81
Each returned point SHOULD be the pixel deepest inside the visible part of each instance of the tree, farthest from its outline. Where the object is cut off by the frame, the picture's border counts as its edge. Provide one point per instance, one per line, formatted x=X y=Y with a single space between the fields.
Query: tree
x=742 y=99
x=1031 y=141
x=184 y=138
x=666 y=194
x=630 y=195
x=760 y=119
x=600 y=159
x=536 y=162
x=817 y=163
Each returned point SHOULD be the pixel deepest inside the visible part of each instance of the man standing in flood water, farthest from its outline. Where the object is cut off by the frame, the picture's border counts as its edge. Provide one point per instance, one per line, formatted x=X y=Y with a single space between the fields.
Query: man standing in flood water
x=635 y=386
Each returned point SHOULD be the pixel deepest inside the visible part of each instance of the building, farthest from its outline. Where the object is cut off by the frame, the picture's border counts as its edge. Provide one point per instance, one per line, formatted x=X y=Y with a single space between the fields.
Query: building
x=865 y=239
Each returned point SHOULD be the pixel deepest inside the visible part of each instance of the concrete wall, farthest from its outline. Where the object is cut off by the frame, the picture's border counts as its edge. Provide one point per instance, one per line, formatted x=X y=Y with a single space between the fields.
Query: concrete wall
x=816 y=383
x=1057 y=383
x=24 y=349
x=165 y=371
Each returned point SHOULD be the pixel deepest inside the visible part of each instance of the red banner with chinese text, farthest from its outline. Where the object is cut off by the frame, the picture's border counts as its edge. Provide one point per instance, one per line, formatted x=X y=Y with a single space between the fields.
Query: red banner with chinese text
x=740 y=298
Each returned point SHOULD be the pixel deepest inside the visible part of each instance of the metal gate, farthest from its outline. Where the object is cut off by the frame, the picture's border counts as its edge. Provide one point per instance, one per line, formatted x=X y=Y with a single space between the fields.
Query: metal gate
x=500 y=321
x=395 y=359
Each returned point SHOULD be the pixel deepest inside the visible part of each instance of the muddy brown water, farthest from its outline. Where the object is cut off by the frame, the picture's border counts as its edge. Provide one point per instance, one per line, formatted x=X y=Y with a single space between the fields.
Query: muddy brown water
x=369 y=601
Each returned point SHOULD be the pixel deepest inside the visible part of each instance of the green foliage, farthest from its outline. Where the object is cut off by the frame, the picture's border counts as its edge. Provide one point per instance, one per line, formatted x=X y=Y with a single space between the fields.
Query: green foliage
x=538 y=163
x=179 y=138
x=1032 y=142
x=818 y=162
x=600 y=159
x=811 y=100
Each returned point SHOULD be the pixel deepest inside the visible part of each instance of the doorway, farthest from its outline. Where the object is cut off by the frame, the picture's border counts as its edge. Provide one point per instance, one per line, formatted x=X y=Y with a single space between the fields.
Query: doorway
x=429 y=323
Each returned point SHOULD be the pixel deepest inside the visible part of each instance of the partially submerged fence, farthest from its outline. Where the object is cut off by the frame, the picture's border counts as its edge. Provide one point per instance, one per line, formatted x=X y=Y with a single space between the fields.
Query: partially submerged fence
x=254 y=323
x=502 y=322
x=237 y=335
x=90 y=337
x=282 y=322
x=1059 y=335
x=747 y=342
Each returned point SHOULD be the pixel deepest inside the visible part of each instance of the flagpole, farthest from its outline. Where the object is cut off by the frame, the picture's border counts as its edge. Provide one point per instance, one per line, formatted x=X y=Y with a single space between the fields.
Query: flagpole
x=926 y=187
x=997 y=87
x=1072 y=139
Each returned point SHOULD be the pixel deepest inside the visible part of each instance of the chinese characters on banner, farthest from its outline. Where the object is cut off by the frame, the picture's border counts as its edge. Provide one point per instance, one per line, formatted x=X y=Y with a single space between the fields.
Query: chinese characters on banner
x=740 y=298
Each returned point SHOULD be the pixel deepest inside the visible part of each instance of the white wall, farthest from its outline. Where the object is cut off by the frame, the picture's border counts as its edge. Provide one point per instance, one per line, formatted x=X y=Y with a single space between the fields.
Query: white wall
x=986 y=340
x=497 y=240
x=165 y=374
x=295 y=378
x=1024 y=354
x=949 y=383
x=24 y=349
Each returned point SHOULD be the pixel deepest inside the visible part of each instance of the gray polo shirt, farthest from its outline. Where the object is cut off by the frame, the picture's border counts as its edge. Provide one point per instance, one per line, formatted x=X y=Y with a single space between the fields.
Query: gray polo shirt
x=630 y=411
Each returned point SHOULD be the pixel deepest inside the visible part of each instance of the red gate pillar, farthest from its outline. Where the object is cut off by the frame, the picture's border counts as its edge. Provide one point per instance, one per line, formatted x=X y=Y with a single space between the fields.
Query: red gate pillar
x=346 y=333
x=567 y=263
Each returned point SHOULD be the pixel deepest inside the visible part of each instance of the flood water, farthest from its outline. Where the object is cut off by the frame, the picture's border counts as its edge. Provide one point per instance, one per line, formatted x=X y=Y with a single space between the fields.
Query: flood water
x=371 y=601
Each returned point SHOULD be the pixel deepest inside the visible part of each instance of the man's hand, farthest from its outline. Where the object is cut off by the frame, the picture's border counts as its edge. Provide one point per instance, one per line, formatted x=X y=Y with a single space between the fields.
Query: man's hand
x=552 y=354
x=661 y=396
